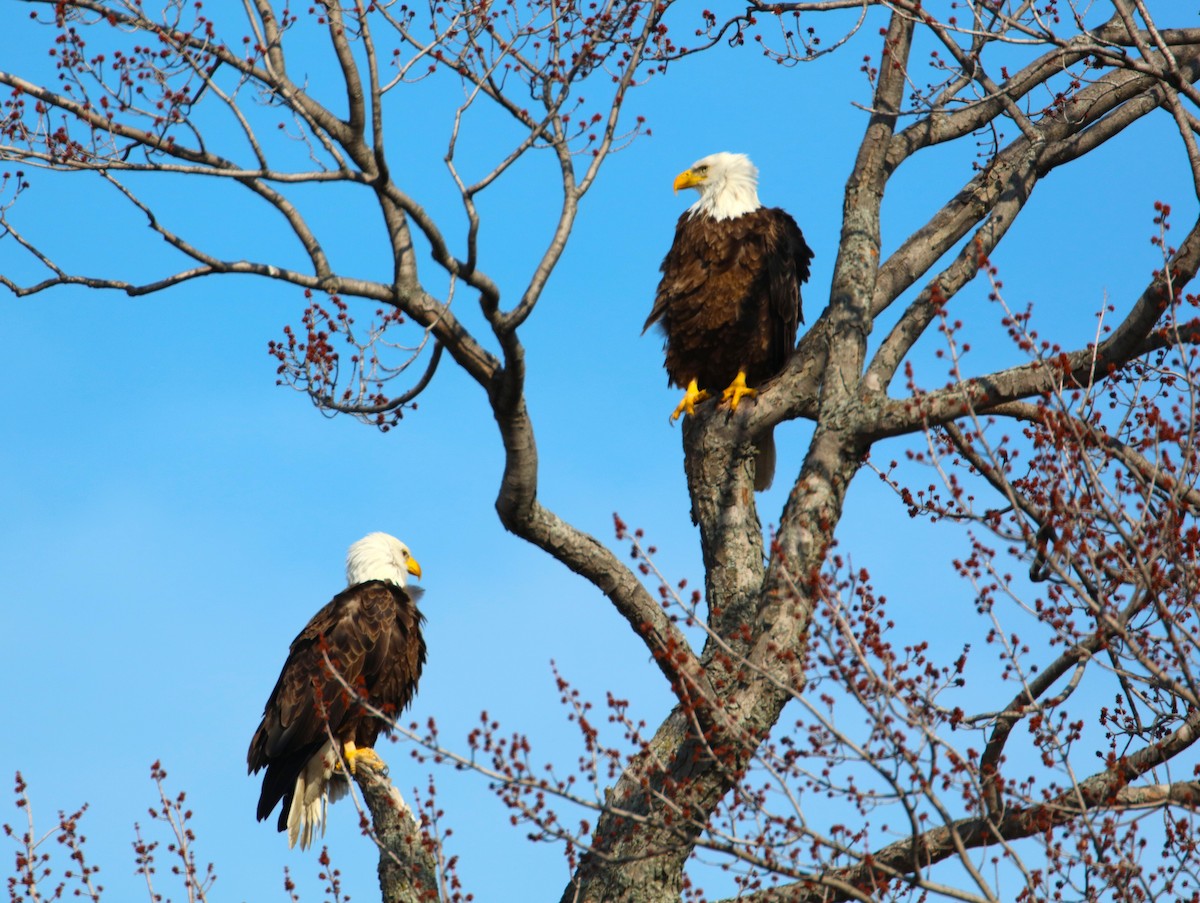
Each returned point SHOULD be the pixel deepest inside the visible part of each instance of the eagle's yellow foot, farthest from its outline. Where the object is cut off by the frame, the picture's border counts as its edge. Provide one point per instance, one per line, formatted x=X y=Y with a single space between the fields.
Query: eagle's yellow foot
x=737 y=391
x=353 y=755
x=692 y=397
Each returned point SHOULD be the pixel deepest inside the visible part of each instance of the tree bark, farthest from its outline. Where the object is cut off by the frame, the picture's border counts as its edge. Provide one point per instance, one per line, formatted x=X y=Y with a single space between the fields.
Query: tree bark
x=408 y=869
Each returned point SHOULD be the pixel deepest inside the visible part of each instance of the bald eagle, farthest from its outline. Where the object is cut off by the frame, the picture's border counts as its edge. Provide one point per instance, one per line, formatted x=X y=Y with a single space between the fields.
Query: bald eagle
x=371 y=634
x=729 y=298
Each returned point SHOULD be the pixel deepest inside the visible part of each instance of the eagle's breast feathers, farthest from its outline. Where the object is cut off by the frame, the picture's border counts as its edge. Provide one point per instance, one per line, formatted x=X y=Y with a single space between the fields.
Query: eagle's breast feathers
x=729 y=297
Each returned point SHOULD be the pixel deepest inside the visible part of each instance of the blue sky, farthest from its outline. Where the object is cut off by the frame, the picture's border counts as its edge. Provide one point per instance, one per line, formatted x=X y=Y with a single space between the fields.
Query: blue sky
x=173 y=517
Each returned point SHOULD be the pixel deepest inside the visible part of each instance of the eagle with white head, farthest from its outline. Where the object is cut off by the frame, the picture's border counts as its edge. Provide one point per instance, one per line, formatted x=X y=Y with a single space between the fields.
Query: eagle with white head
x=359 y=657
x=729 y=301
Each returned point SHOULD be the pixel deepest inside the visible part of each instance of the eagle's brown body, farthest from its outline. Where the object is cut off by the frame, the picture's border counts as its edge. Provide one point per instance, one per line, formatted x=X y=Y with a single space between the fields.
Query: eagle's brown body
x=371 y=632
x=729 y=297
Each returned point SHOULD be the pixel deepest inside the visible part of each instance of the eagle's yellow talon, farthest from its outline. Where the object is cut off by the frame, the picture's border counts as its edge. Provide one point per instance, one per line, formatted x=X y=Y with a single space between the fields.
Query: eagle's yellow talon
x=692 y=397
x=351 y=754
x=737 y=391
x=371 y=759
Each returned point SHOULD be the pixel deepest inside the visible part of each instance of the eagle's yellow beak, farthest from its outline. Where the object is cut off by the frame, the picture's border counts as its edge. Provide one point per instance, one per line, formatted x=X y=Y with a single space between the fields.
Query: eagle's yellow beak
x=687 y=179
x=413 y=567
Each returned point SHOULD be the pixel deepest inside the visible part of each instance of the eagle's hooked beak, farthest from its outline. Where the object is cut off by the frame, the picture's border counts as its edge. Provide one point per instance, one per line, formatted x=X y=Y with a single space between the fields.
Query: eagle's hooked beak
x=687 y=179
x=413 y=567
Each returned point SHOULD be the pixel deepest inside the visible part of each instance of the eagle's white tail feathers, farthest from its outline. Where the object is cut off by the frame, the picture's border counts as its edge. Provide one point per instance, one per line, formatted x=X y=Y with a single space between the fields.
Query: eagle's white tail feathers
x=316 y=788
x=764 y=464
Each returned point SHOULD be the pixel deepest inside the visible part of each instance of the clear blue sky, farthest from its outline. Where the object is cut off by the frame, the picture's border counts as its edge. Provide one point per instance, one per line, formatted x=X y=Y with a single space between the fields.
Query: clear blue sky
x=172 y=518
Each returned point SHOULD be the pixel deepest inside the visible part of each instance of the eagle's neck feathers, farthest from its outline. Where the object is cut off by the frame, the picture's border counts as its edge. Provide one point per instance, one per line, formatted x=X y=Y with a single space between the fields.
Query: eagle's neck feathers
x=377 y=557
x=730 y=195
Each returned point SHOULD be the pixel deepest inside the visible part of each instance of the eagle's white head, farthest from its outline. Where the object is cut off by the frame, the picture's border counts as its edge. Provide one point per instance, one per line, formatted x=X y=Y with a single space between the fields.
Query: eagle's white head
x=728 y=185
x=379 y=556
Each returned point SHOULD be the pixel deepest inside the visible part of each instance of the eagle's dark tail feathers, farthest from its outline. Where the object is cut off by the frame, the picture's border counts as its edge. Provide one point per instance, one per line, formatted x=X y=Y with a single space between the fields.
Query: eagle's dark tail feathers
x=764 y=463
x=279 y=782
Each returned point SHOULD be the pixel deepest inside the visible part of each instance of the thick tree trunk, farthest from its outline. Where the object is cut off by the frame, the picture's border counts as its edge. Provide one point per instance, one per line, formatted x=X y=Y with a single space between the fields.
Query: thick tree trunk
x=662 y=804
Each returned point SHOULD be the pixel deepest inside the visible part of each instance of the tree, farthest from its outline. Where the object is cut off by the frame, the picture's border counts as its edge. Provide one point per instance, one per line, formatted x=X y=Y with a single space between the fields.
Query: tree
x=1074 y=461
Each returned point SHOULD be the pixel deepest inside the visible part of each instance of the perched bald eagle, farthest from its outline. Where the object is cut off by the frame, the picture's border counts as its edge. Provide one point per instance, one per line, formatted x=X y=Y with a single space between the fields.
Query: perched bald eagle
x=371 y=634
x=729 y=298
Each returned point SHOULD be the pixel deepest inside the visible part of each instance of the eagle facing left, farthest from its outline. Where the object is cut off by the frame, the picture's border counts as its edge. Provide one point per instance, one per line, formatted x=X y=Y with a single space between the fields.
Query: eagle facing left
x=360 y=654
x=728 y=302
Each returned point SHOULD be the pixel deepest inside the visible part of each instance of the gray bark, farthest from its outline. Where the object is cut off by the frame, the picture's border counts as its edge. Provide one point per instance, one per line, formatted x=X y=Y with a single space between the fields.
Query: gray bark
x=408 y=867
